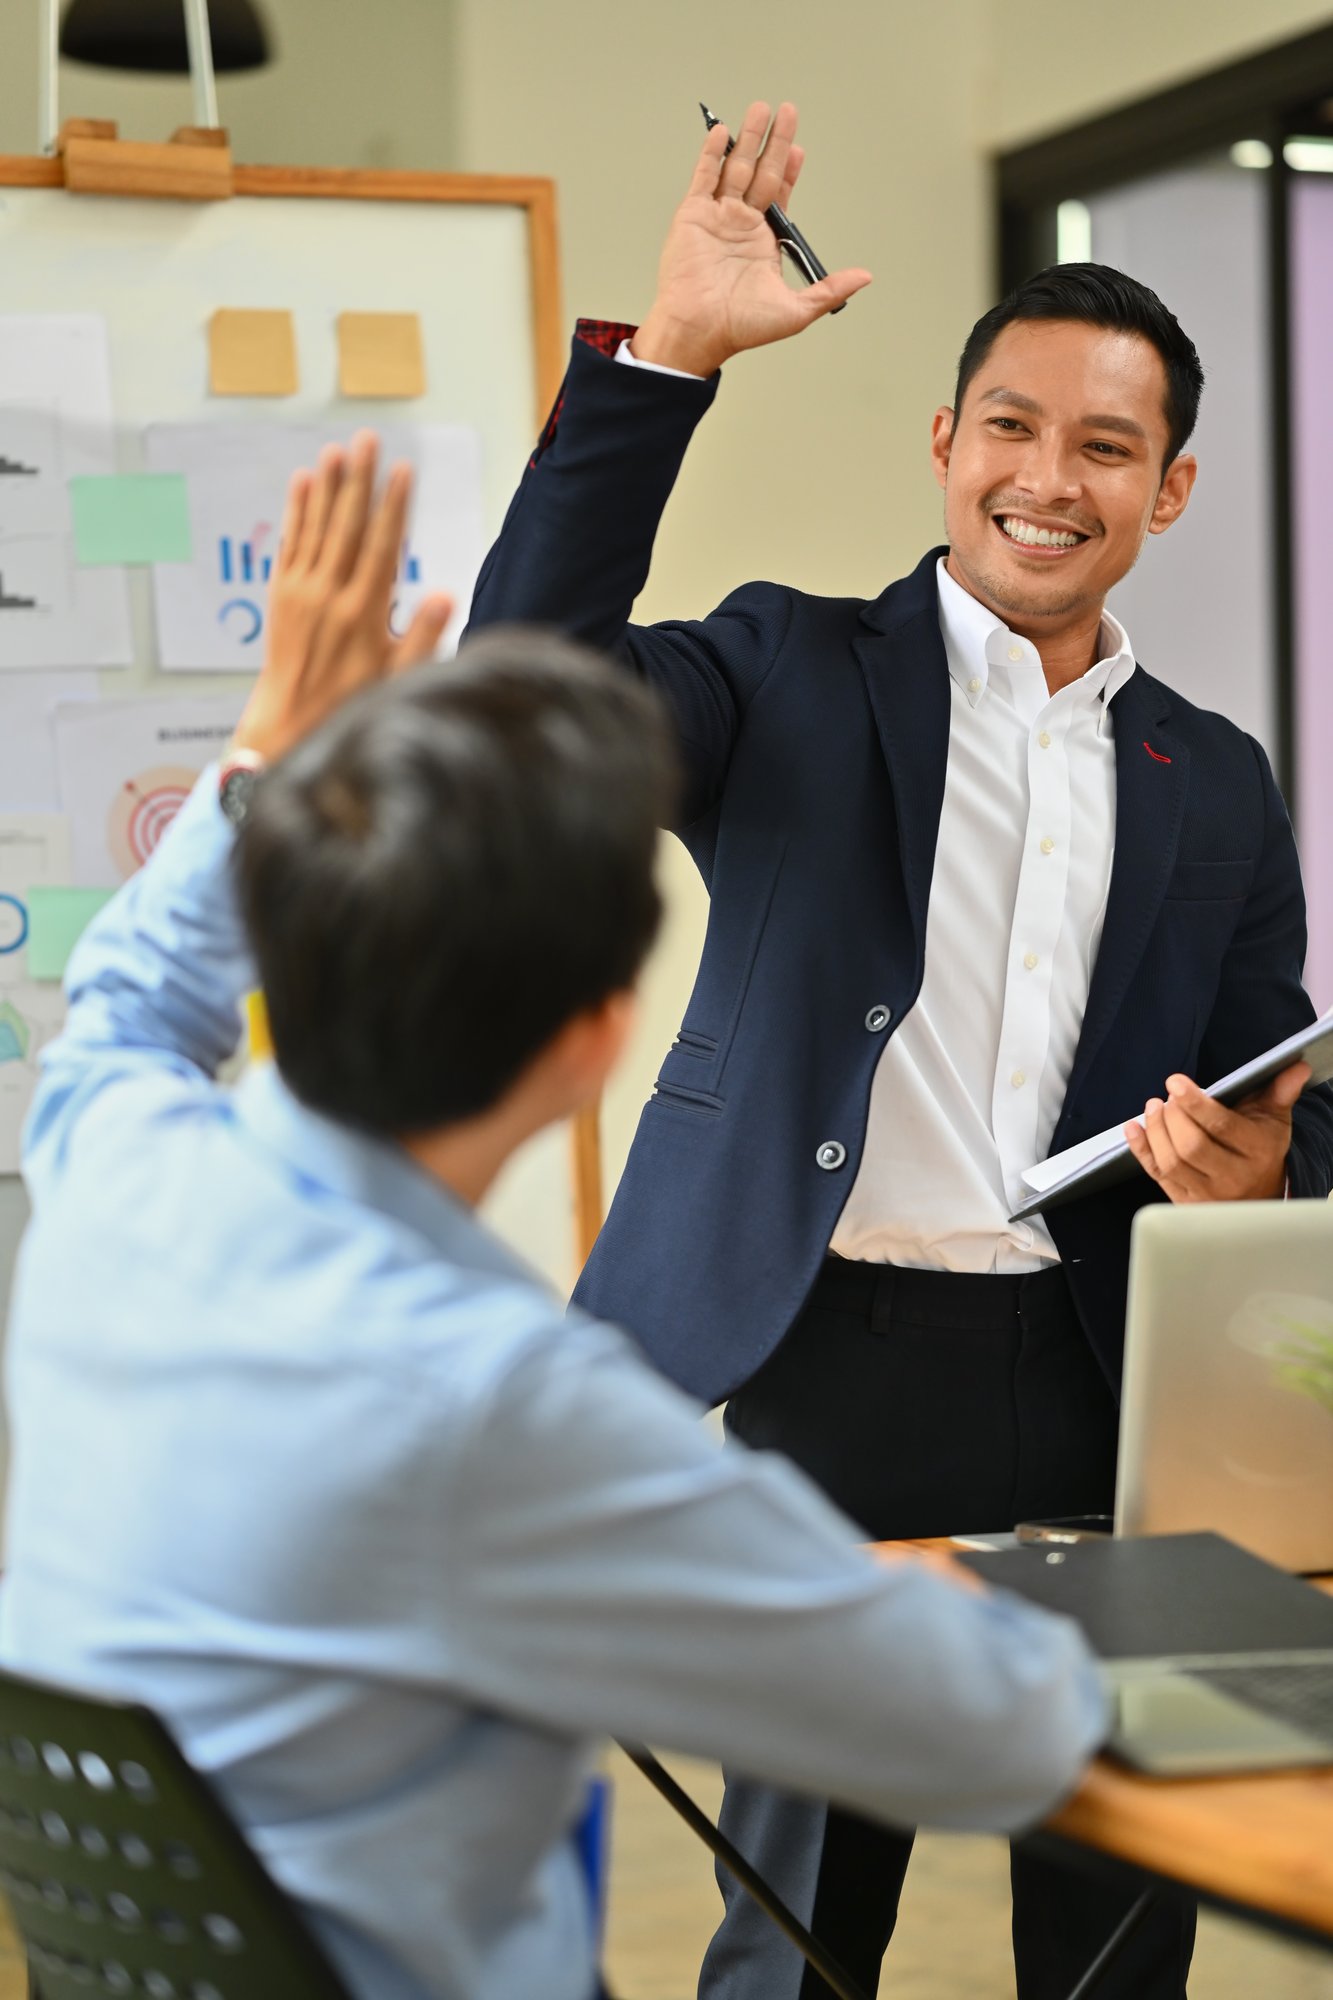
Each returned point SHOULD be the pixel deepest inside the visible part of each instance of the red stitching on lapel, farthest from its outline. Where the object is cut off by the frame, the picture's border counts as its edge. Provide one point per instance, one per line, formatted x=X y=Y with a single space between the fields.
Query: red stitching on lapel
x=1156 y=755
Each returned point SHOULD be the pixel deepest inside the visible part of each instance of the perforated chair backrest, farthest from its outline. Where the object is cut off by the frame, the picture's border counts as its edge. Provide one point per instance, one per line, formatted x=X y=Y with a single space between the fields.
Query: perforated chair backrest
x=123 y=1870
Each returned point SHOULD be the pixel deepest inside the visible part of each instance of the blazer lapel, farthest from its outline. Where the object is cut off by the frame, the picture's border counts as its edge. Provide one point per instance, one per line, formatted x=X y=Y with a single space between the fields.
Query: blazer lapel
x=1152 y=780
x=901 y=656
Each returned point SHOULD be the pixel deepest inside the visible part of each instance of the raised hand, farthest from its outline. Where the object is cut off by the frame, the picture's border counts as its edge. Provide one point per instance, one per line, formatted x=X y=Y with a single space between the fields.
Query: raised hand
x=330 y=597
x=720 y=281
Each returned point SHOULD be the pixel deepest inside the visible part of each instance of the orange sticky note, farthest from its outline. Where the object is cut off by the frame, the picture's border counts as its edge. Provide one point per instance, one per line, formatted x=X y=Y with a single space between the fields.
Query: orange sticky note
x=252 y=353
x=380 y=354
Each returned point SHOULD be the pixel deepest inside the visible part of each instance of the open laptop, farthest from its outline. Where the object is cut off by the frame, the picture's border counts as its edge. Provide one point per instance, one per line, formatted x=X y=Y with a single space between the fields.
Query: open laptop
x=1227 y=1413
x=1214 y=1660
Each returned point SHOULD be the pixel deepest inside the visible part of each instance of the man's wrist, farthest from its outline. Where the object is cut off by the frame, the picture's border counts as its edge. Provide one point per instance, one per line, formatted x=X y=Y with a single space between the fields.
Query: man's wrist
x=668 y=343
x=266 y=729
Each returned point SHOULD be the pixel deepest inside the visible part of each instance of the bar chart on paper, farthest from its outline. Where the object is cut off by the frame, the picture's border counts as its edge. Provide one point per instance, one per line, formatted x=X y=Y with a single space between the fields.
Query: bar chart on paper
x=211 y=611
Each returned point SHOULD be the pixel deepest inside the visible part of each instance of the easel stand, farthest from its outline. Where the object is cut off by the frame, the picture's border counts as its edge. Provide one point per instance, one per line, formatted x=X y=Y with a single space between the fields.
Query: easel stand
x=193 y=165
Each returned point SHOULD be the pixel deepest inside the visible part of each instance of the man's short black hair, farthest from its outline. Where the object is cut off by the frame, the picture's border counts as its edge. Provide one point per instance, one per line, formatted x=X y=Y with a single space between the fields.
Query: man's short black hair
x=448 y=871
x=1098 y=296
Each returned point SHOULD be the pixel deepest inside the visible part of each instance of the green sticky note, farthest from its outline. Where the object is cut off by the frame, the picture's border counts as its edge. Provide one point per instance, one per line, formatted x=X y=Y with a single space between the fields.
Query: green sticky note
x=57 y=919
x=133 y=517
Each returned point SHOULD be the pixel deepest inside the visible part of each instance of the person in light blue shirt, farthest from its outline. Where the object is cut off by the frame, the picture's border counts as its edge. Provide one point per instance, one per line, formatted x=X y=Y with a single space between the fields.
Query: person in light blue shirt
x=308 y=1461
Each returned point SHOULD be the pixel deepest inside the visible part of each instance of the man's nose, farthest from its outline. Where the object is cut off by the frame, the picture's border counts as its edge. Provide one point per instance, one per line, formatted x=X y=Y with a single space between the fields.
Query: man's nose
x=1050 y=471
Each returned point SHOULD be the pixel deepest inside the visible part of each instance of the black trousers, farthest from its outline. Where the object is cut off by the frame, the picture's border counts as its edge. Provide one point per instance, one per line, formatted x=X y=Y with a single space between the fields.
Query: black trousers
x=928 y=1403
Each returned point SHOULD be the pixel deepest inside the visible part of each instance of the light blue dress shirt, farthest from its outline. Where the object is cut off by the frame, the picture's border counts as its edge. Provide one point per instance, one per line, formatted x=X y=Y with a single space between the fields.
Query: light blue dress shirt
x=309 y=1462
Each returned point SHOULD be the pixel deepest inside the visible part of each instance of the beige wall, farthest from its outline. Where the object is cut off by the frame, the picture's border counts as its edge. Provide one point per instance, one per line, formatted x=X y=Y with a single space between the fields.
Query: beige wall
x=813 y=465
x=1048 y=75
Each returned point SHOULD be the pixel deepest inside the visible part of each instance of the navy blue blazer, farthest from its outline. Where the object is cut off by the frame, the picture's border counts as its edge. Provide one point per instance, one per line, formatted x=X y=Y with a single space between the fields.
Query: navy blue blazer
x=815 y=734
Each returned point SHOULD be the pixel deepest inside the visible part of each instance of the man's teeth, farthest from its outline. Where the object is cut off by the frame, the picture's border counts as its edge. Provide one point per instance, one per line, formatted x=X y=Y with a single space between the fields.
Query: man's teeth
x=1041 y=538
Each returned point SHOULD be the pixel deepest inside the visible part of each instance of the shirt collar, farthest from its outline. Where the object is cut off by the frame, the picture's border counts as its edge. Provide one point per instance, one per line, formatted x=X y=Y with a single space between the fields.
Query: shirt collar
x=975 y=640
x=328 y=1160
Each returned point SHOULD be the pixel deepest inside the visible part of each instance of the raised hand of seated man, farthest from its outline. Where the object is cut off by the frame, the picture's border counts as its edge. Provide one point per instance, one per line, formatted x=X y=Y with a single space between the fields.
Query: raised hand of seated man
x=330 y=598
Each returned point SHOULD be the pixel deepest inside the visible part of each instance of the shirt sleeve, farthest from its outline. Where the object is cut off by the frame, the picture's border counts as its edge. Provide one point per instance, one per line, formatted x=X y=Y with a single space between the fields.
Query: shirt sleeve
x=613 y=1570
x=625 y=354
x=154 y=985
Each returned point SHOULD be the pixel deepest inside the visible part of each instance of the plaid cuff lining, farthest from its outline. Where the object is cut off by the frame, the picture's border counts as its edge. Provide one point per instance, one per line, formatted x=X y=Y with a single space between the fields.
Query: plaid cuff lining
x=603 y=334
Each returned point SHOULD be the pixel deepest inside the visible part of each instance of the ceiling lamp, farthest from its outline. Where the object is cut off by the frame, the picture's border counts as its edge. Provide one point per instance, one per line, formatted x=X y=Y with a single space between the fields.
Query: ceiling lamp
x=151 y=35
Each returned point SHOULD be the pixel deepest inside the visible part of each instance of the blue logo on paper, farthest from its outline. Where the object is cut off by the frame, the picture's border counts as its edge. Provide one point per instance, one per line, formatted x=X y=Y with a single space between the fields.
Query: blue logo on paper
x=13 y=928
x=248 y=610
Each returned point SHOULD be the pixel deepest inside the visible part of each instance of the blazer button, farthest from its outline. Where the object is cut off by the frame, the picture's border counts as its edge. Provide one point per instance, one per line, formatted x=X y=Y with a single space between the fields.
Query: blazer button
x=878 y=1017
x=831 y=1155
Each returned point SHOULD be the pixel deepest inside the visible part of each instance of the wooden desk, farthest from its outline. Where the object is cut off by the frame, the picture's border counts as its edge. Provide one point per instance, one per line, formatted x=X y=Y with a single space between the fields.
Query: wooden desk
x=1260 y=1845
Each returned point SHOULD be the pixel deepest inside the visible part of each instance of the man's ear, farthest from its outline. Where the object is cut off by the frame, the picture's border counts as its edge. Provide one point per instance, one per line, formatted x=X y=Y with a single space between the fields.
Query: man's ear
x=590 y=1045
x=941 y=443
x=1174 y=495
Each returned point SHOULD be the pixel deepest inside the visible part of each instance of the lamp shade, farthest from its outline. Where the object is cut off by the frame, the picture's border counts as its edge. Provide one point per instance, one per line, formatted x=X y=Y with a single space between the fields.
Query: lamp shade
x=150 y=35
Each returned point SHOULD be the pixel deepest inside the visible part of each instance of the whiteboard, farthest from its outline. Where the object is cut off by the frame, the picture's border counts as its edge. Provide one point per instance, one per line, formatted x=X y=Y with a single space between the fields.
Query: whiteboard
x=474 y=257
x=156 y=270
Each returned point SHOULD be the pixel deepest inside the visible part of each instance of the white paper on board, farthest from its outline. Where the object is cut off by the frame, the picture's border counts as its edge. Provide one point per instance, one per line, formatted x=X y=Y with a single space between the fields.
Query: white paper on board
x=56 y=424
x=126 y=769
x=29 y=779
x=210 y=612
x=34 y=852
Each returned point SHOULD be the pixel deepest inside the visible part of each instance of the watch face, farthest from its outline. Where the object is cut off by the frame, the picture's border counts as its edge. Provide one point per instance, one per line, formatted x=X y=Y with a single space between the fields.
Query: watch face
x=235 y=793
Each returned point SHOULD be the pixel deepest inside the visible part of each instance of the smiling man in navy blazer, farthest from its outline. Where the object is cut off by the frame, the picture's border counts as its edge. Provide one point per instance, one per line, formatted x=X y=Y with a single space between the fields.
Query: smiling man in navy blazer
x=980 y=887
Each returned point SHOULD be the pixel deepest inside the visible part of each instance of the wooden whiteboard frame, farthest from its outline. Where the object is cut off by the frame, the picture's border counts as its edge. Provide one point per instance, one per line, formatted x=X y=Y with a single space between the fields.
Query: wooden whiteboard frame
x=537 y=197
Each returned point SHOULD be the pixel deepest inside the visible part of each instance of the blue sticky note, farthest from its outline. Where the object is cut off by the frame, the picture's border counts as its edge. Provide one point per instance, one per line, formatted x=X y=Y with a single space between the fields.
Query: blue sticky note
x=57 y=919
x=131 y=517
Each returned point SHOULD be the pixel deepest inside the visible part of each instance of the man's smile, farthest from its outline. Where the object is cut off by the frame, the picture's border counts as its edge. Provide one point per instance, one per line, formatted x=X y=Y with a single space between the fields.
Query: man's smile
x=1042 y=541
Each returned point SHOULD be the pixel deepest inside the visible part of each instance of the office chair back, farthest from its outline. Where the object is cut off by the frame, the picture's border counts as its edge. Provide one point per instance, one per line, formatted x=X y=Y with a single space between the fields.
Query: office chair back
x=124 y=1872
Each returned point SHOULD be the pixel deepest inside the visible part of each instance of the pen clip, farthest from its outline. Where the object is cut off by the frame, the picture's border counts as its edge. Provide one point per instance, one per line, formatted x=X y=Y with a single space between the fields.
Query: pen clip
x=801 y=259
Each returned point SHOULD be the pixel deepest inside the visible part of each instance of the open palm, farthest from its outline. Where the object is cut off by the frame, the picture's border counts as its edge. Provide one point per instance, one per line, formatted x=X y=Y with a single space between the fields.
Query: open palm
x=720 y=282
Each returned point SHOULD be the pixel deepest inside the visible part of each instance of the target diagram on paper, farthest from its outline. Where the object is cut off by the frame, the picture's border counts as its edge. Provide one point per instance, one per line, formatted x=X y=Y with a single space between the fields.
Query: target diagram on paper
x=126 y=769
x=142 y=810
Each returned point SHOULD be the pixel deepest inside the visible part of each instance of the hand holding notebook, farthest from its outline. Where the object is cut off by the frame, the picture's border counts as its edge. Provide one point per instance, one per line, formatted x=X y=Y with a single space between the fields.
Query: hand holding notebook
x=1103 y=1160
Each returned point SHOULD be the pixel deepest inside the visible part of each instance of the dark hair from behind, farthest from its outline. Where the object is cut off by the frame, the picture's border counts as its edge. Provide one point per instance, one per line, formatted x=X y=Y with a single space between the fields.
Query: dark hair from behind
x=1097 y=295
x=450 y=869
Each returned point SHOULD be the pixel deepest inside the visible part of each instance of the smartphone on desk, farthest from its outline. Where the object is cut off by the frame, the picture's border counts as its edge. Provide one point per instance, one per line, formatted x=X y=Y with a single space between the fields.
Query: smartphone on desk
x=1067 y=1528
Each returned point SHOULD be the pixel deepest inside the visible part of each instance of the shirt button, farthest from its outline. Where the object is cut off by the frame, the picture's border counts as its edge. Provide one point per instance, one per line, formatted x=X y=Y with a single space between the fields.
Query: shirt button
x=1030 y=961
x=1048 y=845
x=1018 y=1079
x=974 y=685
x=1044 y=739
x=878 y=1017
x=1015 y=652
x=831 y=1155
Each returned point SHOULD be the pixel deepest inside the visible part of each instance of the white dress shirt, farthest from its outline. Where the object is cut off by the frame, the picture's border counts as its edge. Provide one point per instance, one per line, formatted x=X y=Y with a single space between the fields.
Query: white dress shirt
x=968 y=1091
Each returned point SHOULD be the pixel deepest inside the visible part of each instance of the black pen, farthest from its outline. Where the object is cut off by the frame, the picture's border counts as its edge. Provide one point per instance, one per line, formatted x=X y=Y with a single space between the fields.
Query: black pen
x=789 y=236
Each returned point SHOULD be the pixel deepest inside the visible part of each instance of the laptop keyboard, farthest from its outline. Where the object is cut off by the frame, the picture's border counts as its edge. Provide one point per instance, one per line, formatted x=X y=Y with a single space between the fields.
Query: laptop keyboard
x=1298 y=1692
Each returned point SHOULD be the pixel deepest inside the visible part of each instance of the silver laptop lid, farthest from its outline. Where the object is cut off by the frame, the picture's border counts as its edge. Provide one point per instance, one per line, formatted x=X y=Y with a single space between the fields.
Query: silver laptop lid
x=1226 y=1420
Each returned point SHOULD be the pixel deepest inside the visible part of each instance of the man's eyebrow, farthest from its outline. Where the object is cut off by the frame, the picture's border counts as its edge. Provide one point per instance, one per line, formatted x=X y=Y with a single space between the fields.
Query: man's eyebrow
x=1012 y=396
x=1097 y=422
x=1125 y=425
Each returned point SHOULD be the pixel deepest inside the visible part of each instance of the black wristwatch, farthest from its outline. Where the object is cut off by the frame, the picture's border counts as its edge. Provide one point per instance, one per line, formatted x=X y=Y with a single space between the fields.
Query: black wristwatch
x=236 y=783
